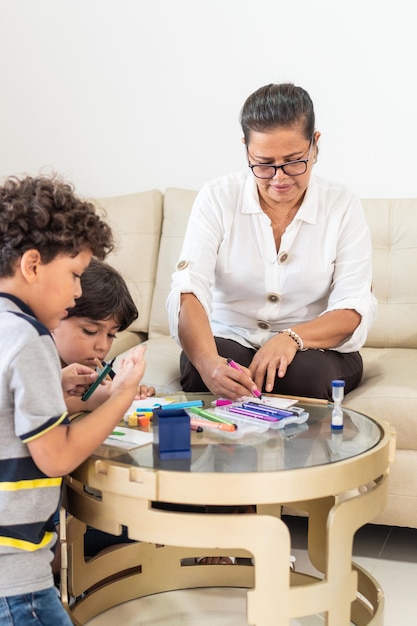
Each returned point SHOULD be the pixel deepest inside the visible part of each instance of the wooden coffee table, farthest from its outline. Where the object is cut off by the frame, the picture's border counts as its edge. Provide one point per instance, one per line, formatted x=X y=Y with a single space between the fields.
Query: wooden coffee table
x=339 y=481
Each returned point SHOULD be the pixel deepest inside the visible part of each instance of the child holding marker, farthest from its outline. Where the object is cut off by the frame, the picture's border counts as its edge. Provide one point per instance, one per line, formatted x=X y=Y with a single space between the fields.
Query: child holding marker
x=85 y=335
x=47 y=238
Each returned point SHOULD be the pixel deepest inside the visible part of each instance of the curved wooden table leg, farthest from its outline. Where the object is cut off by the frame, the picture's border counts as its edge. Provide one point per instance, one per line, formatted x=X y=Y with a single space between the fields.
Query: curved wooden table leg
x=258 y=535
x=344 y=520
x=330 y=539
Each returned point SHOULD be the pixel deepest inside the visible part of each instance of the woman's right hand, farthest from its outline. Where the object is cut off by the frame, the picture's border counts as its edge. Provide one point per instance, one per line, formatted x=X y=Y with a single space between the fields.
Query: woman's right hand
x=199 y=345
x=226 y=381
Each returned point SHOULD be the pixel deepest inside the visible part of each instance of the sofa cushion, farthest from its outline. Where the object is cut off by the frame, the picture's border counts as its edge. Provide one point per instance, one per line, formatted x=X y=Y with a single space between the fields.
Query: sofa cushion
x=177 y=208
x=401 y=507
x=136 y=222
x=124 y=341
x=394 y=243
x=388 y=391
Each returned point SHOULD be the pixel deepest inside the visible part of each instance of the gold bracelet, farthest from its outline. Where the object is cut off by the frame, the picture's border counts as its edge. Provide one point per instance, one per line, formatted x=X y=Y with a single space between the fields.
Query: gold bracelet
x=294 y=336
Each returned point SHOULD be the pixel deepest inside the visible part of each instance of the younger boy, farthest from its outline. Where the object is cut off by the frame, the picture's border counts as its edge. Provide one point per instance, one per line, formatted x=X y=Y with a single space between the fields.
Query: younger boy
x=47 y=239
x=87 y=332
x=85 y=336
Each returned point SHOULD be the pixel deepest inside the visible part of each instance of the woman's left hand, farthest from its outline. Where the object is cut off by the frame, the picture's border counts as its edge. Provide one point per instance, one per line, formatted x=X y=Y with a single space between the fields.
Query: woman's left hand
x=272 y=360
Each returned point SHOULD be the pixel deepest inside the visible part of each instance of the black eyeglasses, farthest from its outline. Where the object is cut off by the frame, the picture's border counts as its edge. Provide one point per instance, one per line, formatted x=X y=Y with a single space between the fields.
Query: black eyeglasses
x=291 y=168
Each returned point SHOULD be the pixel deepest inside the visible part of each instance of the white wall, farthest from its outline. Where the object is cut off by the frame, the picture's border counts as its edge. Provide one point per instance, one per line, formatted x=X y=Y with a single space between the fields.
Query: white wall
x=127 y=95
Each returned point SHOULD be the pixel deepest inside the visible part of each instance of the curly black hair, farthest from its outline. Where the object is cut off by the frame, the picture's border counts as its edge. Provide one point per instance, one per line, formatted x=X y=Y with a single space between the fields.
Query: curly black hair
x=43 y=213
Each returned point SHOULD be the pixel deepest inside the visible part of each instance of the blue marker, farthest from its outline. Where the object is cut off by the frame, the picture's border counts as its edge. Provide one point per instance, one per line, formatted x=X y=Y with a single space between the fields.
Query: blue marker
x=268 y=417
x=268 y=410
x=182 y=405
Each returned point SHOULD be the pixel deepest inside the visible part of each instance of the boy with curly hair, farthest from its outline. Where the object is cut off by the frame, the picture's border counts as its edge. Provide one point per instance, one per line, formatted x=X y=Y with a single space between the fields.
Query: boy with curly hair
x=47 y=238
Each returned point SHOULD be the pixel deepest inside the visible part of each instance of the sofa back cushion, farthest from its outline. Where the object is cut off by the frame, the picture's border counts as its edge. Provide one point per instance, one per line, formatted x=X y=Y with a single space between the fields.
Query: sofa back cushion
x=136 y=221
x=393 y=226
x=177 y=208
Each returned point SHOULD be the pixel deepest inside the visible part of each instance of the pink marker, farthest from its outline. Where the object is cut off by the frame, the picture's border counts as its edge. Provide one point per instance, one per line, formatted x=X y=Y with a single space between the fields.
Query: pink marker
x=222 y=402
x=235 y=366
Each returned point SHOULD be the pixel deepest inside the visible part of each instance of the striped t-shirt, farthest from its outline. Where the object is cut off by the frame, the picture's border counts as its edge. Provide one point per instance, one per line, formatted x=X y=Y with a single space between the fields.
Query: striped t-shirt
x=31 y=403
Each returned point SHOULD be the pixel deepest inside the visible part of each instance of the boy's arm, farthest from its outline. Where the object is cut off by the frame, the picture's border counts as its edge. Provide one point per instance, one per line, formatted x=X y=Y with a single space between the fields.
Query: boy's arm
x=100 y=395
x=61 y=449
x=76 y=378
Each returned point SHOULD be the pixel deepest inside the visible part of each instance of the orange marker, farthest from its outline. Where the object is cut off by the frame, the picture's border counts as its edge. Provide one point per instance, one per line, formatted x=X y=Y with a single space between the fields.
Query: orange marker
x=215 y=425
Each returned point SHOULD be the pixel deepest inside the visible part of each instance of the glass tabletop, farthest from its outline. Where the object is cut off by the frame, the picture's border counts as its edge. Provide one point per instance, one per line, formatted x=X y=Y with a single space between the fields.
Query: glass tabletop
x=295 y=446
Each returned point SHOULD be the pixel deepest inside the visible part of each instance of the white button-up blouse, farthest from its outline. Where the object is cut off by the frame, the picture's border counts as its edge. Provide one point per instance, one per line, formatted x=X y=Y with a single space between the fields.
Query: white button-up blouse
x=248 y=290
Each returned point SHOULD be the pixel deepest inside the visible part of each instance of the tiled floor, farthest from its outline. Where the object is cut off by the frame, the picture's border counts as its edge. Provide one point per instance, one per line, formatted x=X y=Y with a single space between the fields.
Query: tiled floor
x=389 y=554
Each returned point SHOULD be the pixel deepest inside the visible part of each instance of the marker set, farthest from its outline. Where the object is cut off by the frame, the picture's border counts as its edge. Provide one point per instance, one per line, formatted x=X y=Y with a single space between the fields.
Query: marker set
x=251 y=415
x=267 y=415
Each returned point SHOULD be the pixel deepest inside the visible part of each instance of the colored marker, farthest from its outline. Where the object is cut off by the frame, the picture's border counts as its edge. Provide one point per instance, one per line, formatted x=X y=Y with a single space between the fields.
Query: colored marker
x=97 y=382
x=211 y=417
x=232 y=363
x=274 y=410
x=222 y=402
x=269 y=410
x=207 y=424
x=111 y=374
x=255 y=414
x=182 y=405
x=149 y=409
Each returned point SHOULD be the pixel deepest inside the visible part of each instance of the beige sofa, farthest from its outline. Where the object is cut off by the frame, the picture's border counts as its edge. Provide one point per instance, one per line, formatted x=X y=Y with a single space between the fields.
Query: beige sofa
x=149 y=227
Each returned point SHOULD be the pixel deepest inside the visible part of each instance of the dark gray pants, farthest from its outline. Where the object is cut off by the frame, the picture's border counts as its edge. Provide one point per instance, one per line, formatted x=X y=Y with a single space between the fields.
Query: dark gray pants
x=310 y=374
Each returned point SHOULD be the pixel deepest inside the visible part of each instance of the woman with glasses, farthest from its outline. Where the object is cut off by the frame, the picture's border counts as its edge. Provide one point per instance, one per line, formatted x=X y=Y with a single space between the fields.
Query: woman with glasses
x=275 y=272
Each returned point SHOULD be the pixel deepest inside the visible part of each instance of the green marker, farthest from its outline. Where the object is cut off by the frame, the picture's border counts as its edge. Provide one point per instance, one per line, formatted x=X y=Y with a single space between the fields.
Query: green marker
x=210 y=416
x=97 y=382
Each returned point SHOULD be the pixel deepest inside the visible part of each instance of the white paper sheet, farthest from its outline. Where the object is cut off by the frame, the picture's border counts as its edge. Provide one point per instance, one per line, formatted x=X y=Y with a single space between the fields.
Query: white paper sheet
x=128 y=438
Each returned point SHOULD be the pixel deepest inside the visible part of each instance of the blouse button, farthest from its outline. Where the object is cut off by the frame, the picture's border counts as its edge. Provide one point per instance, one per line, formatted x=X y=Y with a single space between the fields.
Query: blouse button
x=283 y=257
x=263 y=324
x=273 y=297
x=181 y=265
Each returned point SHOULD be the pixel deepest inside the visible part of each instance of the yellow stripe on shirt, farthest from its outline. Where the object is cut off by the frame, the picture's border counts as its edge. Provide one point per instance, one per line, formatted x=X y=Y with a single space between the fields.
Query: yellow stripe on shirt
x=28 y=546
x=57 y=423
x=36 y=483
